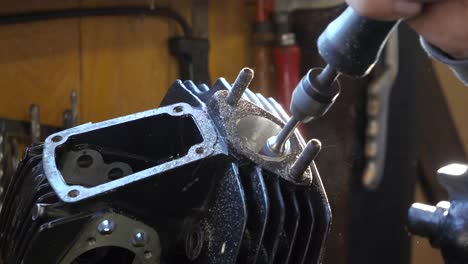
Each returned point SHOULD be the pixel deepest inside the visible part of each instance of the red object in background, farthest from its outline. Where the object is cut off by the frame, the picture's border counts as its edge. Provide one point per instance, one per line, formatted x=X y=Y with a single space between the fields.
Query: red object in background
x=264 y=9
x=263 y=44
x=287 y=59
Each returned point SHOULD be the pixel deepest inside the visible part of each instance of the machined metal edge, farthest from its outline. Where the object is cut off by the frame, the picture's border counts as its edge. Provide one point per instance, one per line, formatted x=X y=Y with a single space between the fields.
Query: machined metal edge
x=75 y=193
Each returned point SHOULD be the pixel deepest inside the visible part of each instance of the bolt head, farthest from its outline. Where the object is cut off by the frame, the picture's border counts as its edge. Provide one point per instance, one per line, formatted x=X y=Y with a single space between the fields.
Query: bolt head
x=139 y=239
x=38 y=211
x=454 y=178
x=106 y=227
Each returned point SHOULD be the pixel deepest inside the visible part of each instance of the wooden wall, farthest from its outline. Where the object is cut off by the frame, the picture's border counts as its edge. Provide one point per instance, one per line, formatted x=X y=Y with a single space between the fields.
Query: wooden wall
x=118 y=65
x=122 y=65
x=456 y=95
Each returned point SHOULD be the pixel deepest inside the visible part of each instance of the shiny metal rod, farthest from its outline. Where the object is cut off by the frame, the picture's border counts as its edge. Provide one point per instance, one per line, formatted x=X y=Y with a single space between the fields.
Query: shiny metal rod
x=308 y=155
x=327 y=76
x=278 y=143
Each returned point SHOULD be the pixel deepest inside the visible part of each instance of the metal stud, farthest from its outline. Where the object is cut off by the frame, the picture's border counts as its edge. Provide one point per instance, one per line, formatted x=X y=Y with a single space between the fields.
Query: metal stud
x=106 y=227
x=310 y=152
x=139 y=239
x=239 y=86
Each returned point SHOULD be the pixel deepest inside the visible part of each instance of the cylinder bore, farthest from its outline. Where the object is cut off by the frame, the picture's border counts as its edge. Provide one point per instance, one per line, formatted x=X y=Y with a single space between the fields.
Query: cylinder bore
x=256 y=130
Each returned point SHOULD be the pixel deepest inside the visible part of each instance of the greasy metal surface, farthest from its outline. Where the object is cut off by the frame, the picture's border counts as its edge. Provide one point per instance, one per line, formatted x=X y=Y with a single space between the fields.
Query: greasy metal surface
x=125 y=229
x=62 y=189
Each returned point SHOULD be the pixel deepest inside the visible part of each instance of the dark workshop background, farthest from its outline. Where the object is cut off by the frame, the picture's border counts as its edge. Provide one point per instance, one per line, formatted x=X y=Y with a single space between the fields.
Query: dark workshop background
x=121 y=65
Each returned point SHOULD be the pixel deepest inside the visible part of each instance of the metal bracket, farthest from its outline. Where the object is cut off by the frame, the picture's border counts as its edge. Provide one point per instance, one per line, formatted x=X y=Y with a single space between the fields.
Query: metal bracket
x=115 y=230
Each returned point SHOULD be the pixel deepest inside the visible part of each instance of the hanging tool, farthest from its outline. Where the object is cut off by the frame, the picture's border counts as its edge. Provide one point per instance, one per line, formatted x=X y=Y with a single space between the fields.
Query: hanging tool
x=288 y=58
x=70 y=116
x=351 y=45
x=34 y=115
x=263 y=42
x=3 y=150
x=287 y=52
x=191 y=51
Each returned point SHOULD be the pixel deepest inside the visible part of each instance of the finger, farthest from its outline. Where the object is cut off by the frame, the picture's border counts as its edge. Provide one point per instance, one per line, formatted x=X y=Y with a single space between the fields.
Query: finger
x=387 y=9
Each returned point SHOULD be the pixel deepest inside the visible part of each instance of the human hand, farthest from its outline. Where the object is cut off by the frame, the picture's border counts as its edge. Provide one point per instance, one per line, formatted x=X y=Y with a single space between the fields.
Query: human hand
x=443 y=23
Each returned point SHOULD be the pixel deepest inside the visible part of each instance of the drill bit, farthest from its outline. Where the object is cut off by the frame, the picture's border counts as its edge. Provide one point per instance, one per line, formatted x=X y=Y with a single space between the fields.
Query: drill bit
x=275 y=146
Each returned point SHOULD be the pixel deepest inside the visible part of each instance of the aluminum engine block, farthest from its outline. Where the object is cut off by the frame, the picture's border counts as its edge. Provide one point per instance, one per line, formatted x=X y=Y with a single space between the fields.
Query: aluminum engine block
x=183 y=183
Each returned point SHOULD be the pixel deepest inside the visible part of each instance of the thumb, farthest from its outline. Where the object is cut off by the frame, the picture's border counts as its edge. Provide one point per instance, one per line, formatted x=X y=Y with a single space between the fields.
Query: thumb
x=386 y=9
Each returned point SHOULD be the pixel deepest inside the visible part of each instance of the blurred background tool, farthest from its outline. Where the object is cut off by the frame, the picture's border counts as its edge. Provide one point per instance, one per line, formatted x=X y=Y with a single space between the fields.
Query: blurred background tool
x=287 y=53
x=192 y=51
x=70 y=116
x=263 y=41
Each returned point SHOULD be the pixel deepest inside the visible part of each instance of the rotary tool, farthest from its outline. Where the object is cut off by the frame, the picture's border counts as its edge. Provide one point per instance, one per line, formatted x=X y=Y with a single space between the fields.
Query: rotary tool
x=350 y=45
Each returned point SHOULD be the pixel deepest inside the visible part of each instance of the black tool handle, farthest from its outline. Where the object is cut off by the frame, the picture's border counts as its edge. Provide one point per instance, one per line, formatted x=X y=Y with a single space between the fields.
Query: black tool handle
x=192 y=56
x=352 y=44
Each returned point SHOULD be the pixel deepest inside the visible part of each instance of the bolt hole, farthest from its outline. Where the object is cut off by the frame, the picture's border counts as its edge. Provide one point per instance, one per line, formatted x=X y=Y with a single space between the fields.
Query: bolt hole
x=178 y=109
x=85 y=161
x=115 y=173
x=194 y=243
x=147 y=254
x=200 y=150
x=73 y=193
x=91 y=241
x=56 y=138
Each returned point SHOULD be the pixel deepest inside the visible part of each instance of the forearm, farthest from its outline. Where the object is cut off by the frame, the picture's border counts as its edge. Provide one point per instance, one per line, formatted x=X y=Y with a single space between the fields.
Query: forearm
x=459 y=67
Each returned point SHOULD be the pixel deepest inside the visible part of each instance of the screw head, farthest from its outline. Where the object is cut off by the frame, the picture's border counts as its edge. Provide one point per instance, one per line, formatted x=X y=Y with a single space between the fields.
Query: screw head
x=139 y=239
x=91 y=241
x=106 y=227
x=194 y=242
x=147 y=254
